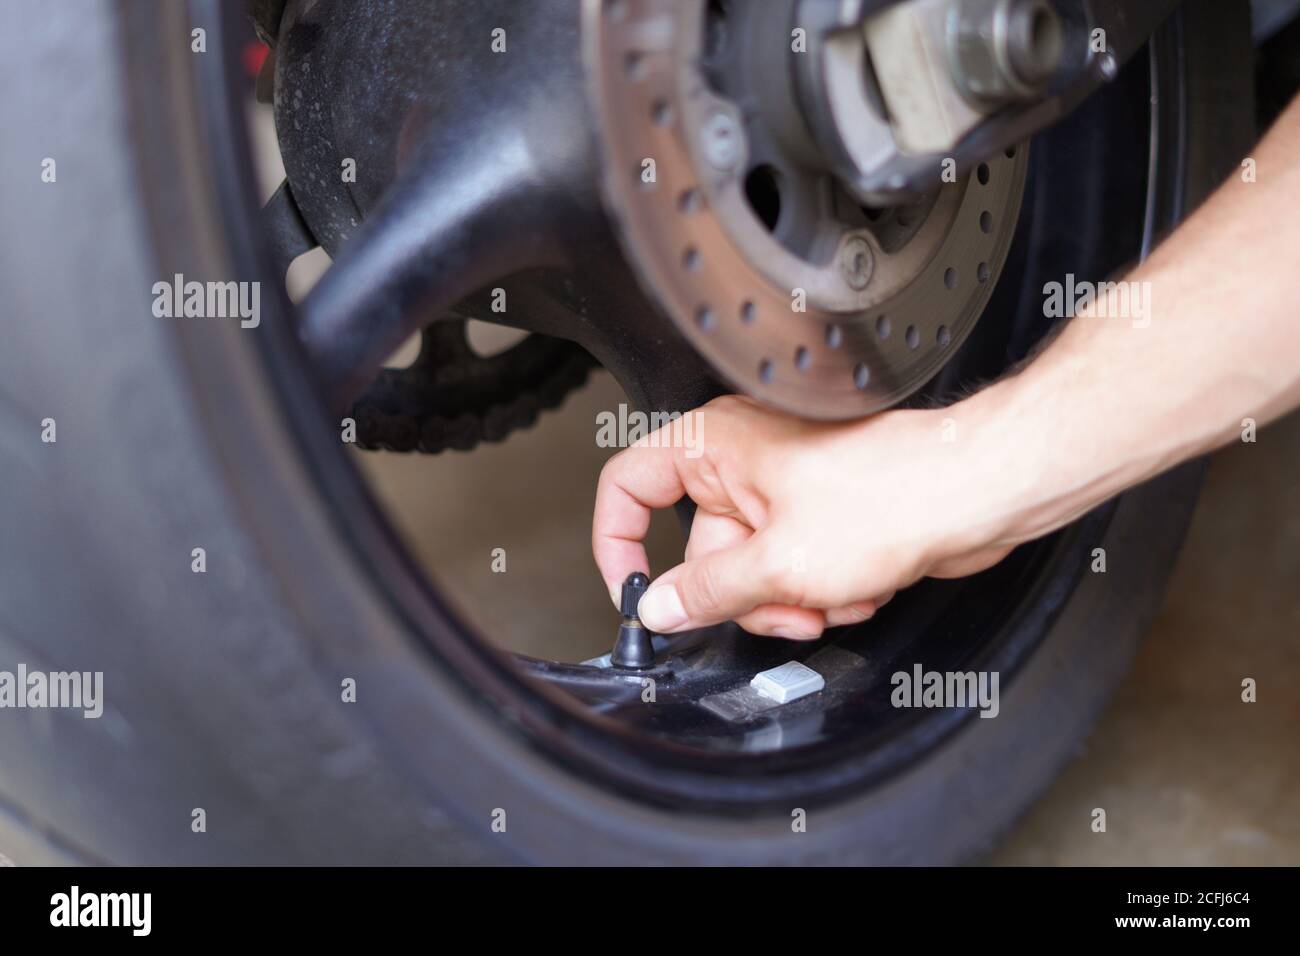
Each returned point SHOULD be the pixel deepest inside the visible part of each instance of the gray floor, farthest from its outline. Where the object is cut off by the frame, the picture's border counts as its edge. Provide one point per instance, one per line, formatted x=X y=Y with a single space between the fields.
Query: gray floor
x=1187 y=773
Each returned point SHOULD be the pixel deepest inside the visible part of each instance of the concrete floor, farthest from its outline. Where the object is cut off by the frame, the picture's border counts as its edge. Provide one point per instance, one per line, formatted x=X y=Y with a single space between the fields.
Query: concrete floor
x=1188 y=773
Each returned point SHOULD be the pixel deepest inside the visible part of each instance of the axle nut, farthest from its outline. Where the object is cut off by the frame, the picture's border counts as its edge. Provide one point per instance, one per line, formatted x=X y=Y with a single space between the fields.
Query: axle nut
x=1004 y=50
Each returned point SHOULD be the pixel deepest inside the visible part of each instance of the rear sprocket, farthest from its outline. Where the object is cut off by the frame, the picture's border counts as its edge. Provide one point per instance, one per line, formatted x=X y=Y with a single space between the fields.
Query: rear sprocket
x=451 y=397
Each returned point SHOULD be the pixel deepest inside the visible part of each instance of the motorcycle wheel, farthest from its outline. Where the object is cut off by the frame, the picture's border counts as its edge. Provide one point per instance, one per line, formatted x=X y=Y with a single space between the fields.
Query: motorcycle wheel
x=222 y=689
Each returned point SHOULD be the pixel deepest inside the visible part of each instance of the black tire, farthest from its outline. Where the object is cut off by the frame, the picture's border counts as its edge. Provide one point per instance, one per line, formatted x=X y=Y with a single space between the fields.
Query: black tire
x=223 y=689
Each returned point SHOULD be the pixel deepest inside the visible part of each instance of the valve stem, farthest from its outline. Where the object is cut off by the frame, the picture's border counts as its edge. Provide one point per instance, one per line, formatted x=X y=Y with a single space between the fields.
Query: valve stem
x=633 y=648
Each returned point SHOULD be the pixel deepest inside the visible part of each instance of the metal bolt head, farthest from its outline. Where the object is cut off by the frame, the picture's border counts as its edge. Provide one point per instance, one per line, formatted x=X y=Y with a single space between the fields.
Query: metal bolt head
x=857 y=262
x=1034 y=39
x=1004 y=50
x=723 y=140
x=1108 y=66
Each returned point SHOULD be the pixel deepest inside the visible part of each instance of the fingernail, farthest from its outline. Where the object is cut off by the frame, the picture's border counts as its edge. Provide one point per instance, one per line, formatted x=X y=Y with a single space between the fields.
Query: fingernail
x=790 y=634
x=661 y=609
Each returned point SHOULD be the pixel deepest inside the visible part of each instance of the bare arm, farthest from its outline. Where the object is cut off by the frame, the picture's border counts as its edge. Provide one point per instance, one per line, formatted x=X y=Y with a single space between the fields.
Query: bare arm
x=1114 y=402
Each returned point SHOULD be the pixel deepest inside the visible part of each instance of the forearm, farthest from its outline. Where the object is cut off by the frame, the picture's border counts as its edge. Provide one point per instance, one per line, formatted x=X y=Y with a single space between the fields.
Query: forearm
x=1118 y=399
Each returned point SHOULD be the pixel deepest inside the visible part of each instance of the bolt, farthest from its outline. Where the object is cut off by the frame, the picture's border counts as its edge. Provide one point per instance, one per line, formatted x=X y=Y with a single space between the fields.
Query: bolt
x=1034 y=41
x=722 y=139
x=1005 y=50
x=857 y=263
x=1108 y=66
x=633 y=648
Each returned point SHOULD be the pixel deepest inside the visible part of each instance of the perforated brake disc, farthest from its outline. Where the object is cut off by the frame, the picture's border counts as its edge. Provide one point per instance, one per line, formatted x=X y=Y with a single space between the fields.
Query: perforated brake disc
x=793 y=291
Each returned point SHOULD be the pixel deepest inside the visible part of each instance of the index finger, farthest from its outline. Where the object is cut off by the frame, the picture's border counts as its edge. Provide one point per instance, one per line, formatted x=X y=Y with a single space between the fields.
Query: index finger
x=633 y=484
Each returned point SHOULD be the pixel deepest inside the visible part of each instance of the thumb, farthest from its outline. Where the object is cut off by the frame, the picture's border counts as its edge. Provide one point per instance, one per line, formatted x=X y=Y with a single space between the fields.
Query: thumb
x=713 y=588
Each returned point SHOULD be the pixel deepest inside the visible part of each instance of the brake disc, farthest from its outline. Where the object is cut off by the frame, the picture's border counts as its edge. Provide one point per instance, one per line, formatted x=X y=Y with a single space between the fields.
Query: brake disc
x=793 y=291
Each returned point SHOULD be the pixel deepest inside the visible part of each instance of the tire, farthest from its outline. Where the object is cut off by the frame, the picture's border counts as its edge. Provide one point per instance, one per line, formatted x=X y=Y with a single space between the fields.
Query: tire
x=222 y=689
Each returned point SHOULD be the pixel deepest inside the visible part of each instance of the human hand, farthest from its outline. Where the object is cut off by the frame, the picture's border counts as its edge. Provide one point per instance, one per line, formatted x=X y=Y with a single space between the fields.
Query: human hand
x=804 y=525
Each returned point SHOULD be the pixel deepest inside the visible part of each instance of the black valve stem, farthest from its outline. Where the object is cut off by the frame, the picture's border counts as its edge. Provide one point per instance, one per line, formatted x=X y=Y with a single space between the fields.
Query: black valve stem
x=633 y=648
